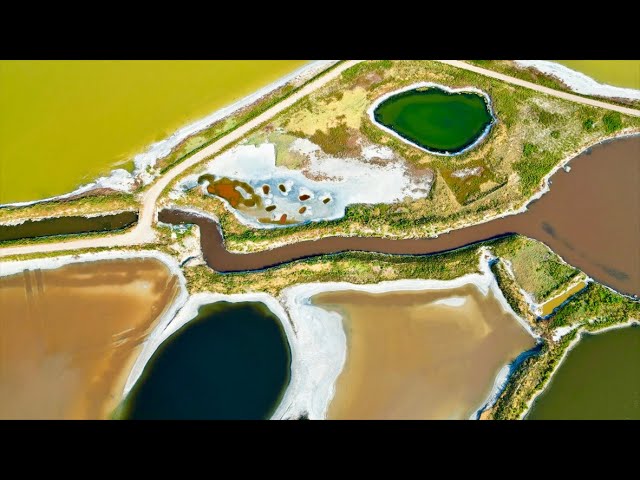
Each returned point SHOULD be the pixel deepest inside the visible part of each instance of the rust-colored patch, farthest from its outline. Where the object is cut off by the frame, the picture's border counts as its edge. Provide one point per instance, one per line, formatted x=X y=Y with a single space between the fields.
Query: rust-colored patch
x=283 y=219
x=304 y=197
x=266 y=189
x=228 y=189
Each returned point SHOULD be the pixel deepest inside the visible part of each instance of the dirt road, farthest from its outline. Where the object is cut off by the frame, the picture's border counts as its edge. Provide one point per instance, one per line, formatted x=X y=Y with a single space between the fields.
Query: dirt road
x=539 y=88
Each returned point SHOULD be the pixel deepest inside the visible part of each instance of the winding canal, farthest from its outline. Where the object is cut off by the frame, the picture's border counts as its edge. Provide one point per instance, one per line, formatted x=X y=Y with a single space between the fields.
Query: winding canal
x=590 y=217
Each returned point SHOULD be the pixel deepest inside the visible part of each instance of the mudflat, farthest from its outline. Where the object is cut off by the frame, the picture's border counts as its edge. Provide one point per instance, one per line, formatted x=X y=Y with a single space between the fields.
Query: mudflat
x=421 y=355
x=68 y=336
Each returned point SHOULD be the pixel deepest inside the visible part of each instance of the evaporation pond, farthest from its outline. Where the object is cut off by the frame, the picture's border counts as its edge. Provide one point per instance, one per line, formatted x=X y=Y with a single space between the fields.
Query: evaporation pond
x=66 y=122
x=70 y=335
x=599 y=379
x=431 y=354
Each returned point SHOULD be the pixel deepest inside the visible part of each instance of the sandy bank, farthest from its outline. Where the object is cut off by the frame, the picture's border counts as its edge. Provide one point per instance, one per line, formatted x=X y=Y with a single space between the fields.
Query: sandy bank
x=579 y=82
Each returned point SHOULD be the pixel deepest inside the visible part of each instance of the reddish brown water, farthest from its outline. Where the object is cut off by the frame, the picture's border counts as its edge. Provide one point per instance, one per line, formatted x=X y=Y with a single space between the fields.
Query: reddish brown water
x=590 y=217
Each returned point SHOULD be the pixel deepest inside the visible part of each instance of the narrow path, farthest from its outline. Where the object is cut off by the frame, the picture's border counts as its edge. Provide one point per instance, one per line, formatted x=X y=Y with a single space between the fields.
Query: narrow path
x=539 y=88
x=143 y=231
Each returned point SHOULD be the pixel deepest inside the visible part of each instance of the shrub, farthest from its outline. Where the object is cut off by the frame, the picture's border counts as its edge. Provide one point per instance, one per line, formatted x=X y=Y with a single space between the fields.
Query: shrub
x=588 y=124
x=529 y=149
x=612 y=121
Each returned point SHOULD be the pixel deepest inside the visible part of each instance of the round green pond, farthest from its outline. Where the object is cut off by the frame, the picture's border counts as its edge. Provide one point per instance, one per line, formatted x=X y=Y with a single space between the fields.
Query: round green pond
x=232 y=361
x=435 y=119
x=599 y=380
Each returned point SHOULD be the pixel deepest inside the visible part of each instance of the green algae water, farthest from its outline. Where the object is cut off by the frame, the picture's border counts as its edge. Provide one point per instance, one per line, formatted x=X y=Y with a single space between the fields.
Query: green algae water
x=436 y=120
x=231 y=362
x=599 y=379
x=65 y=123
x=619 y=73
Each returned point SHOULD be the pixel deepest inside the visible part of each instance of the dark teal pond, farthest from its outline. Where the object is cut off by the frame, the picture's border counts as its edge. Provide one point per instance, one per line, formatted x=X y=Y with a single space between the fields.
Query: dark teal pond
x=435 y=119
x=231 y=362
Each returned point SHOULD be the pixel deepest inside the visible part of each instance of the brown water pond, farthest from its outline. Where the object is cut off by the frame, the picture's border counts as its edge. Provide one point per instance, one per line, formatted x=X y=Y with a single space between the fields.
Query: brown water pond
x=590 y=217
x=410 y=355
x=68 y=336
x=67 y=225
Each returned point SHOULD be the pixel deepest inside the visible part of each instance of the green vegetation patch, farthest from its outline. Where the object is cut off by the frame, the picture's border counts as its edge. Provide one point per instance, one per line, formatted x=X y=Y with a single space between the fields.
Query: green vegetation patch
x=537 y=269
x=530 y=377
x=339 y=140
x=363 y=68
x=533 y=166
x=511 y=292
x=353 y=267
x=88 y=204
x=598 y=306
x=471 y=181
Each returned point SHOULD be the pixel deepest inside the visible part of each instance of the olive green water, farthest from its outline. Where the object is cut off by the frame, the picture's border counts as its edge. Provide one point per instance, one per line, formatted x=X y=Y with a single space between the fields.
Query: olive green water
x=599 y=379
x=435 y=119
x=620 y=73
x=64 y=123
